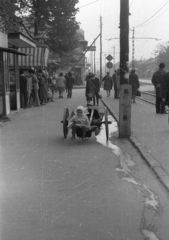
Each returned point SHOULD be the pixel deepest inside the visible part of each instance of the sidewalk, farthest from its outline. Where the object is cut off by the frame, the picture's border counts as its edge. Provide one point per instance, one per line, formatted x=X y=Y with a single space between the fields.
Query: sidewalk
x=150 y=135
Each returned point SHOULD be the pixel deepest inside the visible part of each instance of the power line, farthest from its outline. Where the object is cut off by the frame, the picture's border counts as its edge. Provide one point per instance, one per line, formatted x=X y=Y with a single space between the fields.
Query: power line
x=152 y=15
x=131 y=4
x=88 y=4
x=156 y=17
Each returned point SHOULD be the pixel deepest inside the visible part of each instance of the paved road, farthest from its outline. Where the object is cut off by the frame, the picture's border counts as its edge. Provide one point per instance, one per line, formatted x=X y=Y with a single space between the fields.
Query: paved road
x=55 y=188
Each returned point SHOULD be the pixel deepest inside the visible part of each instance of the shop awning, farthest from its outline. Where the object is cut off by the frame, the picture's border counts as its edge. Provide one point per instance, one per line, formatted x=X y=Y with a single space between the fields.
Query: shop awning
x=10 y=50
x=20 y=40
x=36 y=57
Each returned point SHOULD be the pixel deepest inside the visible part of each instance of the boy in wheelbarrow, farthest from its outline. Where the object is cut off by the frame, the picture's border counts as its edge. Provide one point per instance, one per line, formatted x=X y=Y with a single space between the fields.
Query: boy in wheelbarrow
x=79 y=120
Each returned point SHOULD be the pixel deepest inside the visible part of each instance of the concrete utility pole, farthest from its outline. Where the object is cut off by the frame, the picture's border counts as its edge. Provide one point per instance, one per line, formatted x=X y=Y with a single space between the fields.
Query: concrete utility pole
x=100 y=49
x=125 y=89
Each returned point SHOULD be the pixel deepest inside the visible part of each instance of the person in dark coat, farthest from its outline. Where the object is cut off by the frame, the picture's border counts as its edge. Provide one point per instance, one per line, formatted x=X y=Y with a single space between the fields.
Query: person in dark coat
x=108 y=83
x=115 y=84
x=157 y=81
x=70 y=81
x=90 y=88
x=96 y=95
x=134 y=82
x=23 y=90
x=42 y=89
x=165 y=91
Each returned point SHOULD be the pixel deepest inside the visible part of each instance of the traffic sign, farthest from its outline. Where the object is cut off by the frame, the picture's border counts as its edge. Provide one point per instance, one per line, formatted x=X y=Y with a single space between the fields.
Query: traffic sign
x=109 y=57
x=109 y=65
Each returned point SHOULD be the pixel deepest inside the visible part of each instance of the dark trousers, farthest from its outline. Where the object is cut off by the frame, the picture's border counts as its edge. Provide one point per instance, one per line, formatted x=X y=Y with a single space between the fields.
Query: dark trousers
x=74 y=130
x=96 y=98
x=160 y=105
x=24 y=98
x=69 y=92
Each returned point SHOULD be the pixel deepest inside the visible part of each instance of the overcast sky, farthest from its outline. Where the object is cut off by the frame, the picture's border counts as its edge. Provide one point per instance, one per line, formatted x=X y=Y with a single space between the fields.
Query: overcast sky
x=150 y=18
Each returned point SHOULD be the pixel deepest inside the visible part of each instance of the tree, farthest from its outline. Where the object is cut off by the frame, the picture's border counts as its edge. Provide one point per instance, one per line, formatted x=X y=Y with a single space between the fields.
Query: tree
x=162 y=53
x=54 y=19
x=8 y=20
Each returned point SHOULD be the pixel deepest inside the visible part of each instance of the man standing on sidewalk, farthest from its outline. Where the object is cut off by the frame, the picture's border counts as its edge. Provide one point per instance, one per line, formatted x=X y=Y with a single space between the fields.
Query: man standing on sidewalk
x=23 y=90
x=157 y=81
x=165 y=90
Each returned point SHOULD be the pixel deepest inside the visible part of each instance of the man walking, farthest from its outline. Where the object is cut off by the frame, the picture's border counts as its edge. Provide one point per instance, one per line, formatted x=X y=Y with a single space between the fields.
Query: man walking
x=157 y=81
x=69 y=84
x=23 y=90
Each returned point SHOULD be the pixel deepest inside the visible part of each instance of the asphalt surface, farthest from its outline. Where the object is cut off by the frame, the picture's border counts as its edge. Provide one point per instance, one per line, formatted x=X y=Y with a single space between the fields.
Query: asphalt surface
x=55 y=188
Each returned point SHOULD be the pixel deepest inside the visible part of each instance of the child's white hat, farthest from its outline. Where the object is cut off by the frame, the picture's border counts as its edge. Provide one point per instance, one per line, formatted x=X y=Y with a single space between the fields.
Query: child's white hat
x=80 y=108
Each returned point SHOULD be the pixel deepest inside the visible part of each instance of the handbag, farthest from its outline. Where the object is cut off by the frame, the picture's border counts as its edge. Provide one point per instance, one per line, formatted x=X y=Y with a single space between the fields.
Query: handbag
x=49 y=94
x=90 y=94
x=138 y=94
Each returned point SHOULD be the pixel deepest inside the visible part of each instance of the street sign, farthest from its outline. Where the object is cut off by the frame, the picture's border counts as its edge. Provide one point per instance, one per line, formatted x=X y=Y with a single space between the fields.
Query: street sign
x=109 y=57
x=109 y=65
x=91 y=48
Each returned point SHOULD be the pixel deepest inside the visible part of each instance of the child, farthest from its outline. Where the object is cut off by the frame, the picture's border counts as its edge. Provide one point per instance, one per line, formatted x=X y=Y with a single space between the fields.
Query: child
x=79 y=120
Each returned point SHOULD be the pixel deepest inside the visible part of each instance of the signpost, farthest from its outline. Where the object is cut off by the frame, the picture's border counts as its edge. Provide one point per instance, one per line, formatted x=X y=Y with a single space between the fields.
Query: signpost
x=109 y=58
x=109 y=65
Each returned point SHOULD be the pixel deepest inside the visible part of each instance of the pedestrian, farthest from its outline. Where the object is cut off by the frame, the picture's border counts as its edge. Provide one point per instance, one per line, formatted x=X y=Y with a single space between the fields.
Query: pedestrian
x=90 y=88
x=65 y=76
x=42 y=89
x=107 y=83
x=118 y=83
x=134 y=82
x=45 y=83
x=79 y=120
x=61 y=84
x=29 y=90
x=96 y=94
x=165 y=91
x=35 y=87
x=23 y=90
x=157 y=81
x=53 y=86
x=70 y=81
x=115 y=83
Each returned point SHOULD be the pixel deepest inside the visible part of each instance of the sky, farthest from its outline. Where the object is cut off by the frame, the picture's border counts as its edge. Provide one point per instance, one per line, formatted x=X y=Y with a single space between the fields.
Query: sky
x=149 y=18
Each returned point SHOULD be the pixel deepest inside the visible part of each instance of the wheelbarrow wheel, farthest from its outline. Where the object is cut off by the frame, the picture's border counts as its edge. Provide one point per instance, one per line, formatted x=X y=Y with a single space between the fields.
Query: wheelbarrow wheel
x=106 y=124
x=65 y=121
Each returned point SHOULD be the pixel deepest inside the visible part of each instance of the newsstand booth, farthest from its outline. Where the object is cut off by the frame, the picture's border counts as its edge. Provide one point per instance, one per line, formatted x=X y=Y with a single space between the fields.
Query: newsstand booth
x=9 y=71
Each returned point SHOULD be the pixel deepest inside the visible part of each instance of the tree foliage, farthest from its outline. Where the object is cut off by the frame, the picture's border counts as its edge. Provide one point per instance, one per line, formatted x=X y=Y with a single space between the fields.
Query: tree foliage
x=54 y=19
x=8 y=20
x=162 y=53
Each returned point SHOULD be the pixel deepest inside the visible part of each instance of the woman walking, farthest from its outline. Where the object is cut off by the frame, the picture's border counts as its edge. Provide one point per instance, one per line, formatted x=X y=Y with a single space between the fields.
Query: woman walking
x=61 y=84
x=108 y=83
x=134 y=81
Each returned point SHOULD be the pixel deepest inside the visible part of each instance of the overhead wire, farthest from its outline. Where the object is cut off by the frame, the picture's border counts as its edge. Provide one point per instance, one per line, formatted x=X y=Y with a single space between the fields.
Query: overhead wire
x=153 y=15
x=155 y=18
x=88 y=4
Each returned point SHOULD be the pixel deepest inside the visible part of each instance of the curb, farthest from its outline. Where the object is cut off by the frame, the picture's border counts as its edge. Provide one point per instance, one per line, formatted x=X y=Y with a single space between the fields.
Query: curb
x=154 y=164
x=10 y=117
